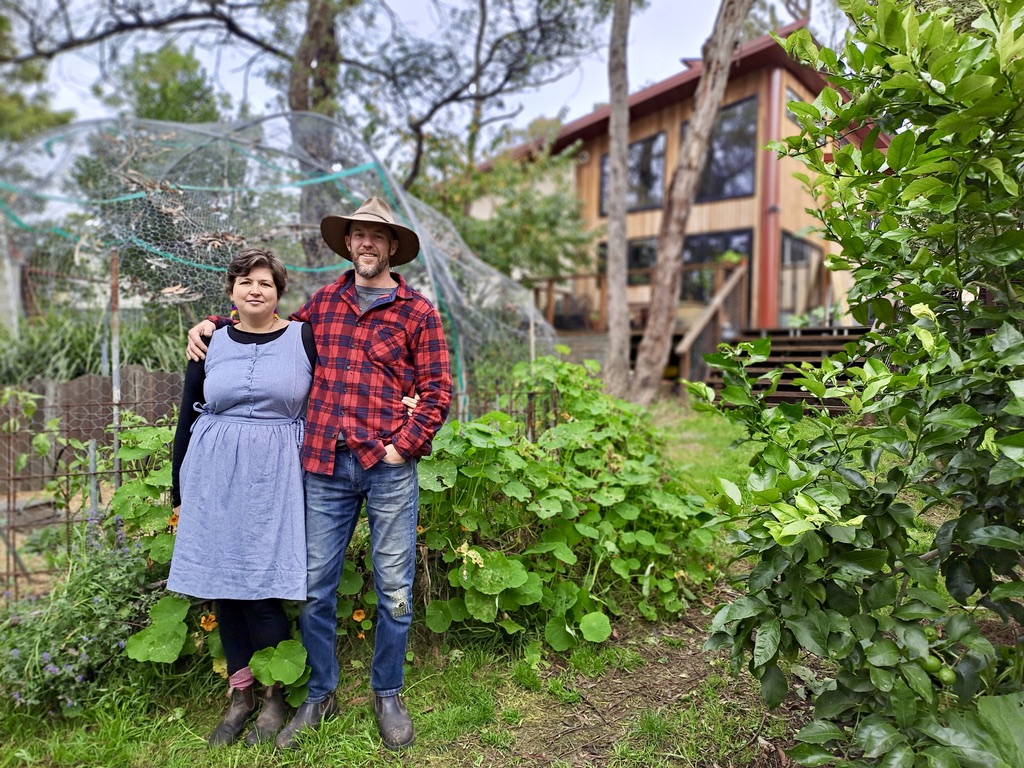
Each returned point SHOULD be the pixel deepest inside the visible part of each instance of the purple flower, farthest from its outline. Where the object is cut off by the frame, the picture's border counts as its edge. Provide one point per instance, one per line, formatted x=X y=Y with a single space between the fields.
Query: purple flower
x=79 y=678
x=45 y=657
x=120 y=644
x=15 y=653
x=16 y=696
x=51 y=669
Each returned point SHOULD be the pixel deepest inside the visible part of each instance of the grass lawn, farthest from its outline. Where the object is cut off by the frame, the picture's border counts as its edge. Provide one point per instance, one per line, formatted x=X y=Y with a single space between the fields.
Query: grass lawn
x=648 y=697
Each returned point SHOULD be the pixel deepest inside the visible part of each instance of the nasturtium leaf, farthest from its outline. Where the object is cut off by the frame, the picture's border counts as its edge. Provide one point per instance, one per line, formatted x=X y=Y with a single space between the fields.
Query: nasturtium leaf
x=438 y=616
x=161 y=547
x=516 y=490
x=437 y=474
x=595 y=627
x=169 y=609
x=480 y=606
x=158 y=642
x=510 y=627
x=557 y=634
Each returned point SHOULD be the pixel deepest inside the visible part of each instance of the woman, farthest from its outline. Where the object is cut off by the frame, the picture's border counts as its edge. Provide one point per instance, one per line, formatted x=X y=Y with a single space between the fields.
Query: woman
x=237 y=479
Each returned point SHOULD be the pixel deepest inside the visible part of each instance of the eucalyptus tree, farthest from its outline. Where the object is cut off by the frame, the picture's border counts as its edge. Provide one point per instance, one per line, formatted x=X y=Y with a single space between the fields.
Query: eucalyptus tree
x=655 y=345
x=617 y=373
x=24 y=106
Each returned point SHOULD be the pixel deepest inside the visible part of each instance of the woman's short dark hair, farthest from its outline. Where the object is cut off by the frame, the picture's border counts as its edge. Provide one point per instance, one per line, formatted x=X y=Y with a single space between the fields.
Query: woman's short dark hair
x=252 y=258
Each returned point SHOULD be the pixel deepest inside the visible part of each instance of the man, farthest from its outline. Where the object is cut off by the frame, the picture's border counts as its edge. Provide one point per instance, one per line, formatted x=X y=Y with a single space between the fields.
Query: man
x=377 y=340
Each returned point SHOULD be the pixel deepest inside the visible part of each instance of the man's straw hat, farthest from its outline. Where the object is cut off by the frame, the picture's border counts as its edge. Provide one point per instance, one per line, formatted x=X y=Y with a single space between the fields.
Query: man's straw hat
x=376 y=211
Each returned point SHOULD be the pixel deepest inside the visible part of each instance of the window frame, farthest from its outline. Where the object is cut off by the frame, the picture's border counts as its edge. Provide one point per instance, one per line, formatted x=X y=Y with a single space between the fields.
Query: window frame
x=602 y=193
x=699 y=199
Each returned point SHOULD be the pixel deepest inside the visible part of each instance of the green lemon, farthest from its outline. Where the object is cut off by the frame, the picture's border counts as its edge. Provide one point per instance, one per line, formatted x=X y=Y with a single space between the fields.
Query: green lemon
x=930 y=663
x=946 y=676
x=931 y=634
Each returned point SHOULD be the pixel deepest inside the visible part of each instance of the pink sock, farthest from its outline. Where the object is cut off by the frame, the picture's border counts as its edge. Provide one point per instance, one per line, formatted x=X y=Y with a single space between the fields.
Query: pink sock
x=241 y=679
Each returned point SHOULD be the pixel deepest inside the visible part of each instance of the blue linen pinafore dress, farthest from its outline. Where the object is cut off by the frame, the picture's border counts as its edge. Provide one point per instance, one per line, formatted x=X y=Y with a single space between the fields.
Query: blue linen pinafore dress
x=241 y=528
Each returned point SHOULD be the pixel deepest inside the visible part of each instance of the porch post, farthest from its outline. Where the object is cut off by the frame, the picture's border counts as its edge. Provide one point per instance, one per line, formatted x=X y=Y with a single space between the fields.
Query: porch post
x=766 y=275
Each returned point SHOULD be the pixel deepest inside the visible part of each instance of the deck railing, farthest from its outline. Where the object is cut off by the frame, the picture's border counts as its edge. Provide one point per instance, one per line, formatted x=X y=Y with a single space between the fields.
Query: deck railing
x=579 y=302
x=722 y=320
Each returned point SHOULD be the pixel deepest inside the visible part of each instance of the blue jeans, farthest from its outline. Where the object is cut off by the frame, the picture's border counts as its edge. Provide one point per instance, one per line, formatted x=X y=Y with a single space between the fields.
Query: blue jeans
x=391 y=494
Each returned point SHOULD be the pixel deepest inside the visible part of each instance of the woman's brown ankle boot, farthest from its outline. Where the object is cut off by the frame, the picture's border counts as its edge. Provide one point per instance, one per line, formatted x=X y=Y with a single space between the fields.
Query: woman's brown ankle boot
x=270 y=719
x=243 y=704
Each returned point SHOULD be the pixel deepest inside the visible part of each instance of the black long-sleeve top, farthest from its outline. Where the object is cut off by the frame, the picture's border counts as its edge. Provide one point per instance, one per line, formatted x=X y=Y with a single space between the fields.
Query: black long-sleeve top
x=192 y=392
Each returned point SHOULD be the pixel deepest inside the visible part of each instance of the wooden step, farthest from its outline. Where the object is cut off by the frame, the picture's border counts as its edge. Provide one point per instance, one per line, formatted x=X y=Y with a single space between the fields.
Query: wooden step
x=795 y=347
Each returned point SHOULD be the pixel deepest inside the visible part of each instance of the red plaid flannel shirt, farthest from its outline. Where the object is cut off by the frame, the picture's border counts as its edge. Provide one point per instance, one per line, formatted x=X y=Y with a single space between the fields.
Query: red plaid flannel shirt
x=365 y=365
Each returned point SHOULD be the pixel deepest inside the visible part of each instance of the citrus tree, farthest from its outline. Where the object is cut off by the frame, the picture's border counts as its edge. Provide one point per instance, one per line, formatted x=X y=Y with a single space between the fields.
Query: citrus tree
x=925 y=207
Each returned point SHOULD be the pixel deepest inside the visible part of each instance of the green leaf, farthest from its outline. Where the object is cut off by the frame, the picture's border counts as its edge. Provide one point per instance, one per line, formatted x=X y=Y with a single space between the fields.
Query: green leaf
x=876 y=737
x=351 y=583
x=729 y=489
x=480 y=606
x=1014 y=590
x=820 y=732
x=767 y=643
x=997 y=537
x=497 y=573
x=924 y=187
x=557 y=634
x=516 y=490
x=161 y=547
x=159 y=642
x=773 y=686
x=511 y=627
x=437 y=474
x=901 y=150
x=958 y=417
x=810 y=755
x=918 y=681
x=974 y=87
x=438 y=616
x=811 y=631
x=169 y=609
x=595 y=627
x=1003 y=719
x=284 y=663
x=883 y=653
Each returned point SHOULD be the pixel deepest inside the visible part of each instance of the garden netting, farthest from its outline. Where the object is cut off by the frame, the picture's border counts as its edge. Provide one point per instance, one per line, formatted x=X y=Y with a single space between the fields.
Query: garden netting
x=175 y=202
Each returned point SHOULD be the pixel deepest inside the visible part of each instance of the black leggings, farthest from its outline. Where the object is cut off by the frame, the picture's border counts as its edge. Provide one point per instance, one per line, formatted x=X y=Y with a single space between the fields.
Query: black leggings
x=247 y=626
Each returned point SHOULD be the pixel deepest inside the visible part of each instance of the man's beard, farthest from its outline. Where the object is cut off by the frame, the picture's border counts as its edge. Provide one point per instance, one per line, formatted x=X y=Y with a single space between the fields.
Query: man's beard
x=368 y=271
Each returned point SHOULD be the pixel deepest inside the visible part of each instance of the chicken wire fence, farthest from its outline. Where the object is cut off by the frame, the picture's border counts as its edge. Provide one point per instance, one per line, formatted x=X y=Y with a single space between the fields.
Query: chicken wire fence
x=140 y=218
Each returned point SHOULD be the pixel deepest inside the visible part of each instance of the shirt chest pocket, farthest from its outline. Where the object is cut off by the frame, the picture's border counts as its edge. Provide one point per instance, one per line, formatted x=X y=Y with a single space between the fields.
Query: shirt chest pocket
x=386 y=346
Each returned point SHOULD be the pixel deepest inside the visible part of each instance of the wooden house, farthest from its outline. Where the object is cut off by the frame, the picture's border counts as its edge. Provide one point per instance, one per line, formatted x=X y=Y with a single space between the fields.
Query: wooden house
x=750 y=262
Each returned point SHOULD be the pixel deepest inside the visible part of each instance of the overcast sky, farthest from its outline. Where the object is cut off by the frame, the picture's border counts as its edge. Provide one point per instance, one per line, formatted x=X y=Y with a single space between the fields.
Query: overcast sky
x=662 y=34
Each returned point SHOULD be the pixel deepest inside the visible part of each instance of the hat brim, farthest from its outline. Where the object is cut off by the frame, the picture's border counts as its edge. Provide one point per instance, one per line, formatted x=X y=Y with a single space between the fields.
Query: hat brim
x=334 y=228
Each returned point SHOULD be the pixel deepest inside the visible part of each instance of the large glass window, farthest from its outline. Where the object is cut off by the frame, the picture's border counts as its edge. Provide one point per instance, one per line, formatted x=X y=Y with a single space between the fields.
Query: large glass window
x=707 y=248
x=796 y=251
x=732 y=153
x=797 y=258
x=645 y=176
x=641 y=256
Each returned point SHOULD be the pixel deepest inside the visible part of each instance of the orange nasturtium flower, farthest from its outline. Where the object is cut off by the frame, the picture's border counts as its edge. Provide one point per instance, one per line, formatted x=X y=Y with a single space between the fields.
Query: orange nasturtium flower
x=419 y=529
x=208 y=622
x=358 y=615
x=361 y=635
x=173 y=520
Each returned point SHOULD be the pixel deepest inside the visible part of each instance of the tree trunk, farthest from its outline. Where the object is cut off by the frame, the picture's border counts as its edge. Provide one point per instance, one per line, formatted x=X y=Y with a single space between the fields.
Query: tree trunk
x=312 y=87
x=616 y=365
x=655 y=346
